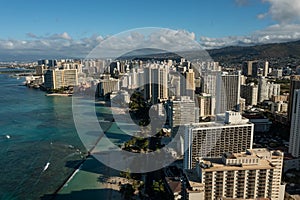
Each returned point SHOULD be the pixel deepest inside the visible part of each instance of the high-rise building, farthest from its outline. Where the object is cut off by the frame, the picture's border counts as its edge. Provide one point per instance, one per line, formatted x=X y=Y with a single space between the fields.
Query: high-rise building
x=206 y=105
x=182 y=111
x=47 y=63
x=174 y=86
x=251 y=174
x=263 y=93
x=209 y=82
x=273 y=90
x=147 y=82
x=40 y=69
x=247 y=68
x=49 y=79
x=250 y=93
x=106 y=86
x=212 y=139
x=243 y=80
x=250 y=68
x=266 y=89
x=266 y=69
x=242 y=104
x=188 y=83
x=55 y=79
x=156 y=83
x=294 y=85
x=228 y=92
x=294 y=145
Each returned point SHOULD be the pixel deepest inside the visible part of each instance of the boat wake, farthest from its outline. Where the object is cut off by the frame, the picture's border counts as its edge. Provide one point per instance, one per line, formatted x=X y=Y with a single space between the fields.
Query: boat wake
x=46 y=166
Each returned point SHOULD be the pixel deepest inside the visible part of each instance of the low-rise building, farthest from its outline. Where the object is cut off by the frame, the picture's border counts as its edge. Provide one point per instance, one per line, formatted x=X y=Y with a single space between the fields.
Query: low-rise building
x=261 y=123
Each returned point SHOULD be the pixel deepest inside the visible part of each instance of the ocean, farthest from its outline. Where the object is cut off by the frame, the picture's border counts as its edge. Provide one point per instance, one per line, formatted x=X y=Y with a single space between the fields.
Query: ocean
x=35 y=130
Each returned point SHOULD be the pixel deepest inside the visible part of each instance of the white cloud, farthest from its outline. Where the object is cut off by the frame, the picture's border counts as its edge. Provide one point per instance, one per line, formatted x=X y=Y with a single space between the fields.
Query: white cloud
x=261 y=16
x=283 y=11
x=242 y=2
x=55 y=45
x=31 y=35
x=272 y=34
x=64 y=36
x=63 y=45
x=156 y=38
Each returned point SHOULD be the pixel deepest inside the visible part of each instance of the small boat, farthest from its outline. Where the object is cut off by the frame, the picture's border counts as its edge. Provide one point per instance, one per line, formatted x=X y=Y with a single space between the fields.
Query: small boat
x=7 y=136
x=46 y=166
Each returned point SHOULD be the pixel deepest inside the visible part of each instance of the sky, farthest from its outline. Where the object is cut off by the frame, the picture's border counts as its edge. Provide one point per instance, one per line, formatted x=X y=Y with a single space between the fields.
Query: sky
x=42 y=28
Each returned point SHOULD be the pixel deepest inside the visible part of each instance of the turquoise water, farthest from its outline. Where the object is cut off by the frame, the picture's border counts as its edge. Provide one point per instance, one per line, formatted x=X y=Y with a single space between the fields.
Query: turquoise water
x=34 y=130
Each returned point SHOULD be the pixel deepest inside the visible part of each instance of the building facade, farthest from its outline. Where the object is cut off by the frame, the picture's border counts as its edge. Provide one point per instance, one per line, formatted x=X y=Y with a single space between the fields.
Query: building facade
x=250 y=93
x=212 y=139
x=182 y=112
x=267 y=90
x=294 y=144
x=58 y=78
x=253 y=174
x=228 y=92
x=206 y=105
x=156 y=83
x=107 y=86
x=294 y=85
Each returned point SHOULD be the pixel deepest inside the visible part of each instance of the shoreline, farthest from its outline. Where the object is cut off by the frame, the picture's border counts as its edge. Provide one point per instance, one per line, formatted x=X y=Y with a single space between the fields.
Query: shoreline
x=77 y=168
x=69 y=178
x=110 y=182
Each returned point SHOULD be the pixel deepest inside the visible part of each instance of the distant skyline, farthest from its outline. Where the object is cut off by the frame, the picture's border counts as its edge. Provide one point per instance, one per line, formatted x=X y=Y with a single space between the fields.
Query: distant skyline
x=55 y=28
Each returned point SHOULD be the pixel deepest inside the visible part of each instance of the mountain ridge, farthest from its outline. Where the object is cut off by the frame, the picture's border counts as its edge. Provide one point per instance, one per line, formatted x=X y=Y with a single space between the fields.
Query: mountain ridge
x=273 y=51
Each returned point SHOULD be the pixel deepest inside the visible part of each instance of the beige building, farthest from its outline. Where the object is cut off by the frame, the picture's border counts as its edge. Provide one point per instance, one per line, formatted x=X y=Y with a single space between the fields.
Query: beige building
x=55 y=79
x=253 y=174
x=206 y=105
x=189 y=83
x=280 y=98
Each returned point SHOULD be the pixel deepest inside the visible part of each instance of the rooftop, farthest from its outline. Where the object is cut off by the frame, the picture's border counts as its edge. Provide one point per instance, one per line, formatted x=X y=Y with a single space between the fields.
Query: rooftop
x=194 y=182
x=215 y=124
x=220 y=166
x=252 y=159
x=174 y=184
